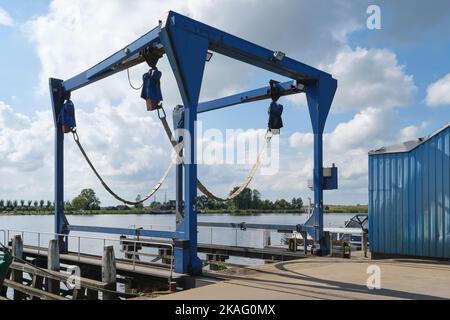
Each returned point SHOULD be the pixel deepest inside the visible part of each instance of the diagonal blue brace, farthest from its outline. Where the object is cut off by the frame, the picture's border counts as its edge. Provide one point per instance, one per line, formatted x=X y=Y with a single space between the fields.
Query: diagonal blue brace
x=187 y=56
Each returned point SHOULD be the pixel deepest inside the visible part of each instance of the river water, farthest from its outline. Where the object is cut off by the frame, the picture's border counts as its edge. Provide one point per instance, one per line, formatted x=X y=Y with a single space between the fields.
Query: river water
x=232 y=237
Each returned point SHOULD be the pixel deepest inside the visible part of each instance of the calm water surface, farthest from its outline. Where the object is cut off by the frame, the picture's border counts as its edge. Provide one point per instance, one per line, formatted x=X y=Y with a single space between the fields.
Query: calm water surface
x=250 y=238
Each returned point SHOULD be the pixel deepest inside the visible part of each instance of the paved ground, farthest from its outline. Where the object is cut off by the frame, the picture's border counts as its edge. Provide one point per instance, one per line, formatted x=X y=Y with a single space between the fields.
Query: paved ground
x=328 y=278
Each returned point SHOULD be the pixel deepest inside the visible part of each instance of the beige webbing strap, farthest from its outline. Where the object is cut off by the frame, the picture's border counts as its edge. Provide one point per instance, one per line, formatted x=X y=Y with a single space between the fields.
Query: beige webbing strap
x=200 y=185
x=244 y=184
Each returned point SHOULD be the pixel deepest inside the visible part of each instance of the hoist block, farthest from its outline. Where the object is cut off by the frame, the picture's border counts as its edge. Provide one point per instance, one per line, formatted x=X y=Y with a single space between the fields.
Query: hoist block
x=275 y=113
x=67 y=116
x=151 y=89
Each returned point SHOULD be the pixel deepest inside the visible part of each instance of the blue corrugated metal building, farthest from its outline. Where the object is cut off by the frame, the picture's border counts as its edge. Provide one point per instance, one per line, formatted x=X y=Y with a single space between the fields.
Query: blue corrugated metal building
x=409 y=198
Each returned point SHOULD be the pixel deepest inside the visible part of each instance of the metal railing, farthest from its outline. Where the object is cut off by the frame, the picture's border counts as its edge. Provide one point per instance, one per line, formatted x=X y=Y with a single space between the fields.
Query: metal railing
x=152 y=227
x=210 y=230
x=228 y=235
x=135 y=253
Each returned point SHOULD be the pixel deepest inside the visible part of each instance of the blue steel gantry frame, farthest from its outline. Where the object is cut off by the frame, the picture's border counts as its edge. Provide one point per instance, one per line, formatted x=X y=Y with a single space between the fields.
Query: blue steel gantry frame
x=186 y=43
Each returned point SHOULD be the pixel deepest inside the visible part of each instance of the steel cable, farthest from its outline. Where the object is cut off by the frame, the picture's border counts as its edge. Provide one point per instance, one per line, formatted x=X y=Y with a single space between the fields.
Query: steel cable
x=108 y=189
x=131 y=85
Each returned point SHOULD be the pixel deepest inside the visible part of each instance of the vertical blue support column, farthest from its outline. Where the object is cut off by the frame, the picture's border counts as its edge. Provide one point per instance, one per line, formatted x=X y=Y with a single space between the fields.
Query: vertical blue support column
x=56 y=93
x=179 y=194
x=319 y=95
x=178 y=125
x=187 y=56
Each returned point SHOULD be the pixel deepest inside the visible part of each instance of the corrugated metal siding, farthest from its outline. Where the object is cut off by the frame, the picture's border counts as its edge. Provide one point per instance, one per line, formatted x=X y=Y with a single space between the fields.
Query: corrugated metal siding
x=409 y=200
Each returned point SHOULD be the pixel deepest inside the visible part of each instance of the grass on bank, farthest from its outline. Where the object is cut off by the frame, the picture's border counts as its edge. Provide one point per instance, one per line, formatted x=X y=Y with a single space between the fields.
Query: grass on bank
x=363 y=209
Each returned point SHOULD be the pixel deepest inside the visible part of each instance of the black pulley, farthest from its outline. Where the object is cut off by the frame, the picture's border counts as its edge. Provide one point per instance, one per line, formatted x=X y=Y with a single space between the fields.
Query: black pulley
x=275 y=92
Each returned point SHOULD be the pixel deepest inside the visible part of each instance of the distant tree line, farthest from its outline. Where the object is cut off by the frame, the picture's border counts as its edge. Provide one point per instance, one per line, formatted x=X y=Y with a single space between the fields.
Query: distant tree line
x=249 y=199
x=23 y=205
x=87 y=200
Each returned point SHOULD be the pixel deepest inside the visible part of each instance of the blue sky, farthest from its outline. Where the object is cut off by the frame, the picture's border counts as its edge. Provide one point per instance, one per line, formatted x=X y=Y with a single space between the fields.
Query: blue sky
x=384 y=76
x=19 y=64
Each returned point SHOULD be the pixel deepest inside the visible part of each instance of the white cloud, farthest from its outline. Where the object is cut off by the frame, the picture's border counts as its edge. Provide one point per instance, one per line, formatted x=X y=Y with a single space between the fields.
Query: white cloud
x=367 y=78
x=412 y=132
x=5 y=18
x=88 y=31
x=347 y=146
x=370 y=78
x=368 y=127
x=438 y=93
x=298 y=140
x=130 y=160
x=22 y=140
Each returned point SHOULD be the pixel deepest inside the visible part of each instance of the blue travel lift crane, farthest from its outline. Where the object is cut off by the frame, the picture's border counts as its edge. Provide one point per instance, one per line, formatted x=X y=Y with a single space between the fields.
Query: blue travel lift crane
x=186 y=43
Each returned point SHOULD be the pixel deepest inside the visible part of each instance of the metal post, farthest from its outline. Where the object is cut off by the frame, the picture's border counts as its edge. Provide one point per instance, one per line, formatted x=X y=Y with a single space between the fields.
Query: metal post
x=179 y=193
x=318 y=186
x=365 y=240
x=56 y=93
x=305 y=242
x=267 y=238
x=53 y=286
x=17 y=276
x=134 y=256
x=109 y=273
x=194 y=265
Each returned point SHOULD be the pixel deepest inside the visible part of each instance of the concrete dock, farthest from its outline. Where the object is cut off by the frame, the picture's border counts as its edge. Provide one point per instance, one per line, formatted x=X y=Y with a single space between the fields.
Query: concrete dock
x=327 y=278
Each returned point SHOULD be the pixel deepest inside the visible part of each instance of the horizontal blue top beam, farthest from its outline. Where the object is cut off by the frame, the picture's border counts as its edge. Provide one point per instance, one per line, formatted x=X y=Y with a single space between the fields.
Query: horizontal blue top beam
x=121 y=60
x=286 y=88
x=219 y=41
x=245 y=51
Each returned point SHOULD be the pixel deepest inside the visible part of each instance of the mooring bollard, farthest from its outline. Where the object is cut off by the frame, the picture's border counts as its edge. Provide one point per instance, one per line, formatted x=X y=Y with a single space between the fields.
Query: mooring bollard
x=305 y=242
x=293 y=244
x=17 y=276
x=53 y=286
x=267 y=240
x=109 y=273
x=365 y=241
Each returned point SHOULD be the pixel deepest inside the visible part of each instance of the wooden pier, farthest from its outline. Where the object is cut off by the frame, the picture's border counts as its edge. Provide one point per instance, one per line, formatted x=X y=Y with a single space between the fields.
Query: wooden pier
x=44 y=273
x=47 y=274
